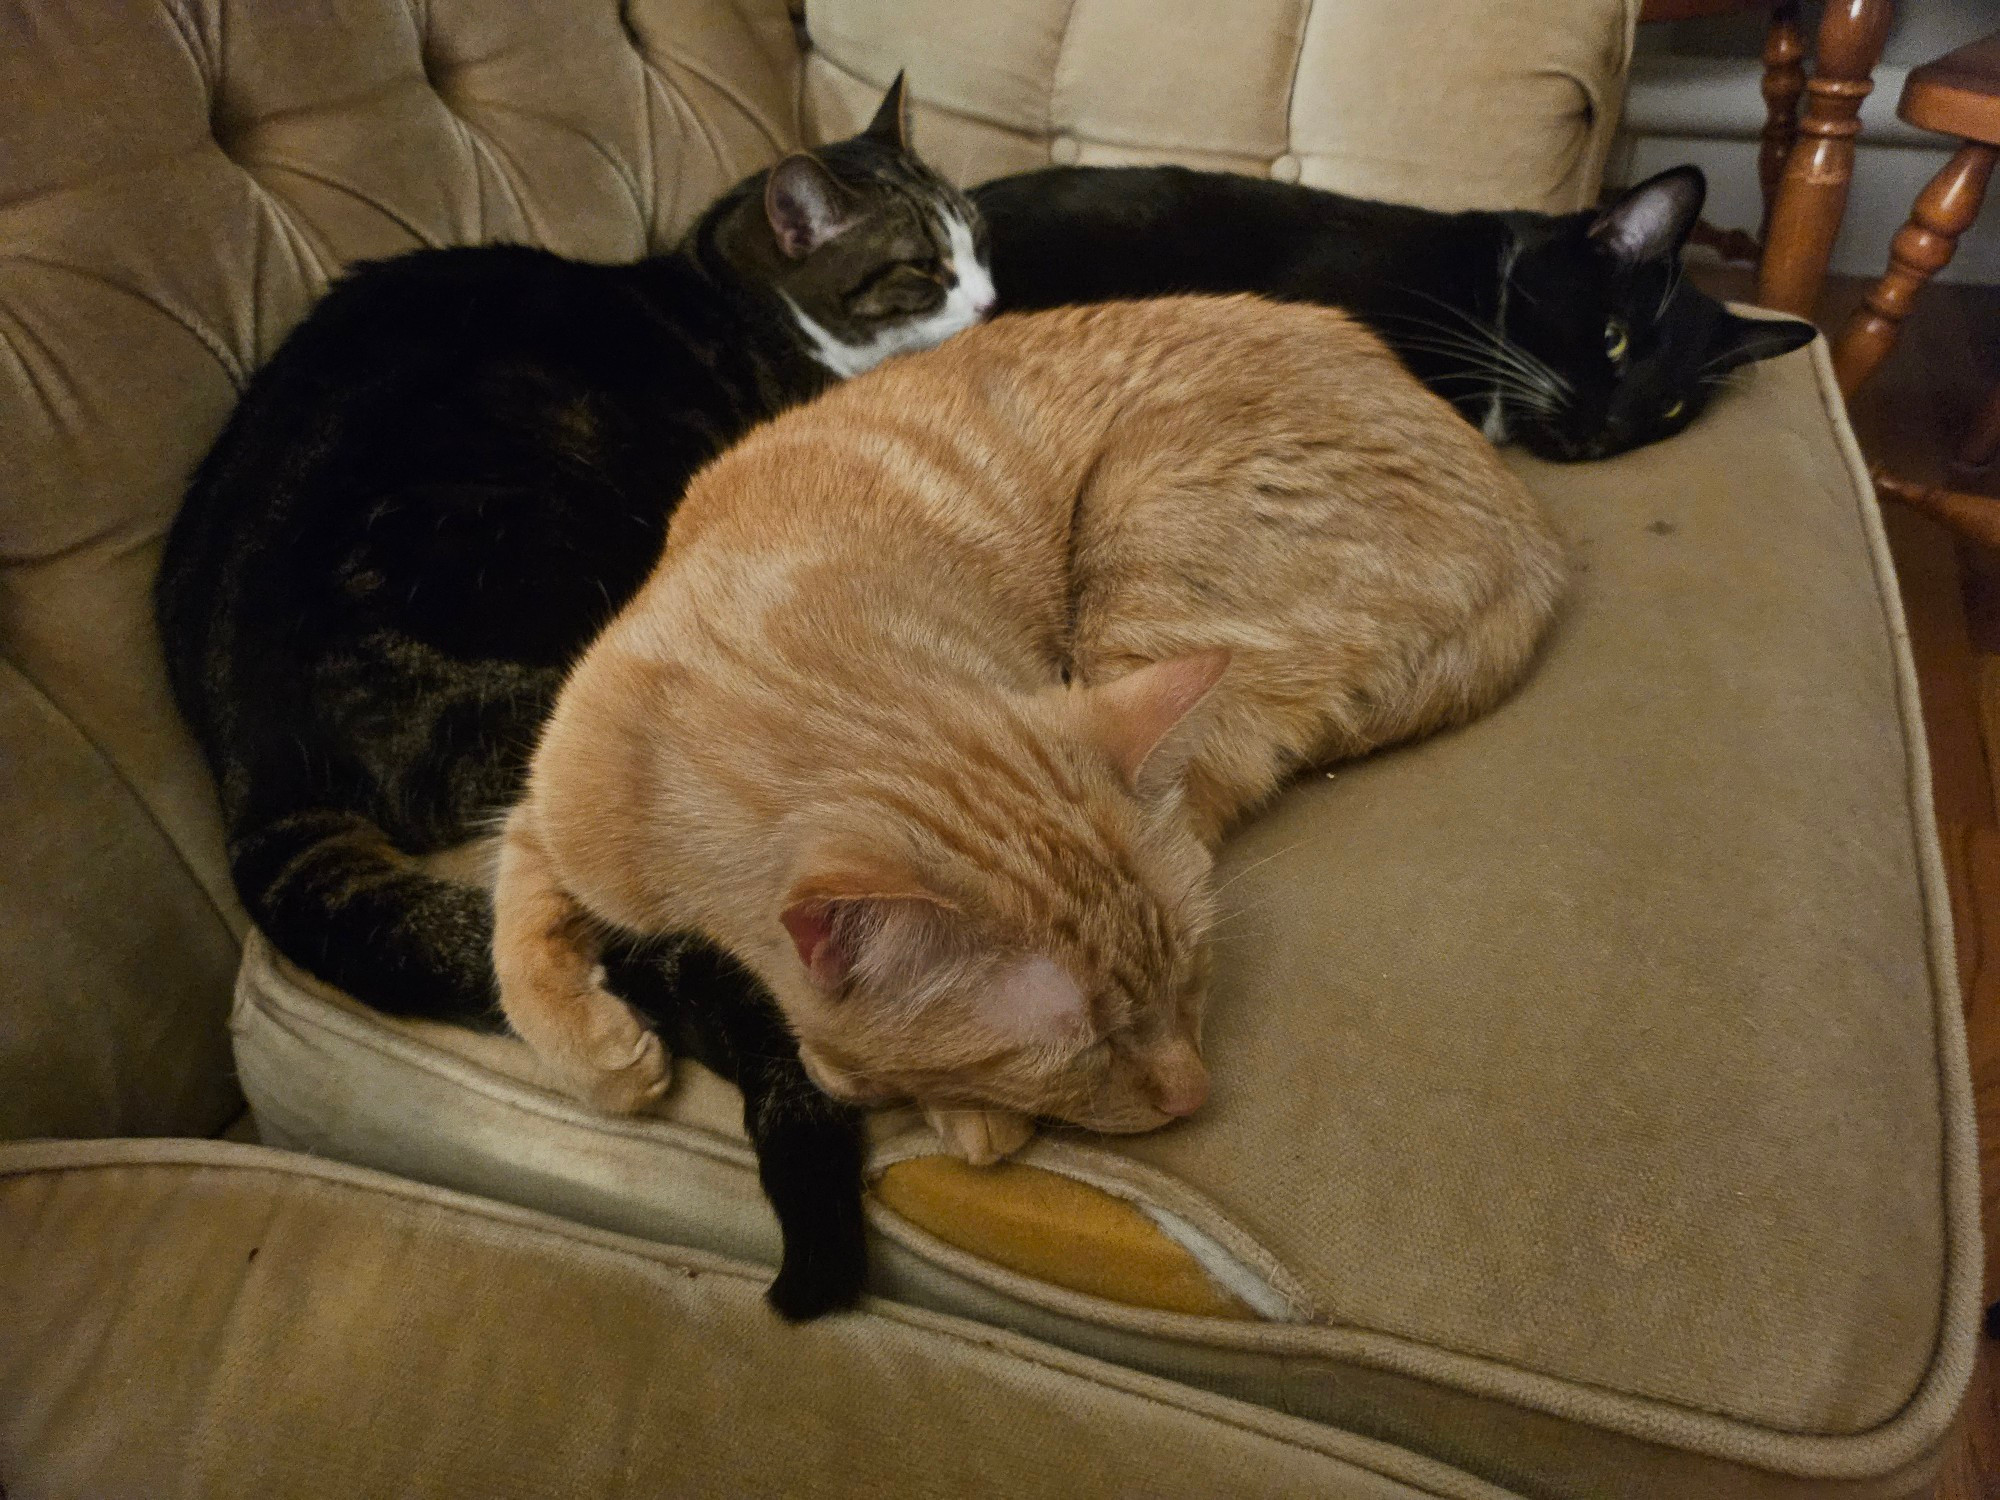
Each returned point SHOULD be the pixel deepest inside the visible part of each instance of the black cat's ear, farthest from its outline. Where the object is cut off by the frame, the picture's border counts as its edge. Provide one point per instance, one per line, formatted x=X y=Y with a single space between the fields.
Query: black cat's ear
x=1744 y=341
x=1652 y=221
x=806 y=205
x=891 y=125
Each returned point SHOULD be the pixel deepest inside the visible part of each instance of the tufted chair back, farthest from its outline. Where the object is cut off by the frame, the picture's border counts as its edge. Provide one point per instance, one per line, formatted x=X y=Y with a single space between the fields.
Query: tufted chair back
x=180 y=179
x=1447 y=103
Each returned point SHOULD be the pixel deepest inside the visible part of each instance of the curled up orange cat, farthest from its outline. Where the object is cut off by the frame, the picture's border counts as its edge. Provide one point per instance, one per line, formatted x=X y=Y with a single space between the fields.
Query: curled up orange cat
x=948 y=684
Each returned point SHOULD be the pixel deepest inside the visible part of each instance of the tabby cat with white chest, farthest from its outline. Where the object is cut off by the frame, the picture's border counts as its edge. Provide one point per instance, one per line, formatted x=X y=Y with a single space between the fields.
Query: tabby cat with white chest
x=442 y=485
x=948 y=684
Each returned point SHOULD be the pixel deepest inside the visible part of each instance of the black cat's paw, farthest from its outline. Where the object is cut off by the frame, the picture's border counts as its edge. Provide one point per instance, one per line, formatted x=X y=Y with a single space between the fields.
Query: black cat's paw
x=815 y=1280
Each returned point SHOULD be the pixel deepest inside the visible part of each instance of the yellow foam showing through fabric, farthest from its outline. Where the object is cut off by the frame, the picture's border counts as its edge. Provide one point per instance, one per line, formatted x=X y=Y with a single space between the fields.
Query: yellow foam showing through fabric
x=1054 y=1229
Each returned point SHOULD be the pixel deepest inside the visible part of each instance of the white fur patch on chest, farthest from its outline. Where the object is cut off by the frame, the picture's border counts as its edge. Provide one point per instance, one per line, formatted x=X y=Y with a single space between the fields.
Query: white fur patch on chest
x=969 y=300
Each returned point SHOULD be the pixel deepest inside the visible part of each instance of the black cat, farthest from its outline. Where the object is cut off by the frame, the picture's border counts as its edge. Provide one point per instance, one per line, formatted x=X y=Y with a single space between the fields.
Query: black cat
x=1573 y=334
x=447 y=479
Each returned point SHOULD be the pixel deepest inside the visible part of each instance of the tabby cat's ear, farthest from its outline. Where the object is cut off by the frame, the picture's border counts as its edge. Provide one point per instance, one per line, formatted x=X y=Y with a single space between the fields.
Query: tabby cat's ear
x=1652 y=221
x=891 y=125
x=806 y=205
x=850 y=917
x=1132 y=718
x=1744 y=341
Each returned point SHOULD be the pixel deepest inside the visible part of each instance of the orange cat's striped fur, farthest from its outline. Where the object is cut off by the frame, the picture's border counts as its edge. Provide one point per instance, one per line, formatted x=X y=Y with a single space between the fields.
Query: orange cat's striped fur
x=948 y=684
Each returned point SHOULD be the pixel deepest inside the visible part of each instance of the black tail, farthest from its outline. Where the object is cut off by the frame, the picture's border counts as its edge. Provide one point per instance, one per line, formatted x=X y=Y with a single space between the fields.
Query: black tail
x=343 y=903
x=809 y=1146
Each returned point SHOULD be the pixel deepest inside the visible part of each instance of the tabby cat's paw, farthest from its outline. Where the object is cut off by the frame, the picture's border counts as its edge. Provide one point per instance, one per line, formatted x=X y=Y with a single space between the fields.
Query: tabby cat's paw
x=980 y=1136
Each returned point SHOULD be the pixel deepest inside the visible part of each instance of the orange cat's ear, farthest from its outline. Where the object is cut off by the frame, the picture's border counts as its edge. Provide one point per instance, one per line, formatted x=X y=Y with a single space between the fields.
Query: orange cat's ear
x=1132 y=717
x=848 y=920
x=814 y=934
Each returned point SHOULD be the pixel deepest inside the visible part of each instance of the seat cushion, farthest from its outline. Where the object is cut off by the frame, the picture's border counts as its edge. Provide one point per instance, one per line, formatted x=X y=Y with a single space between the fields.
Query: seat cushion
x=1590 y=1101
x=194 y=1318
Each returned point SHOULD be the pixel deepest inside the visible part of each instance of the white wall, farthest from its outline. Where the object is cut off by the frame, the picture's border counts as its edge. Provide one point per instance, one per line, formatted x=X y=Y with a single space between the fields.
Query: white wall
x=1694 y=97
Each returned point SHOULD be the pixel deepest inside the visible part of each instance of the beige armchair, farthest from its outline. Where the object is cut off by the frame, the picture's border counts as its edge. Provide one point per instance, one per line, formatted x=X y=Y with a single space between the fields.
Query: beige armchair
x=1591 y=1111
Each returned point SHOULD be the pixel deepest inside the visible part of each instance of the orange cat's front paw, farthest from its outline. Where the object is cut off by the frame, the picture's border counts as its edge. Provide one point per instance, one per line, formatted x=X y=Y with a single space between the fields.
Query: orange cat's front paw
x=608 y=1056
x=980 y=1136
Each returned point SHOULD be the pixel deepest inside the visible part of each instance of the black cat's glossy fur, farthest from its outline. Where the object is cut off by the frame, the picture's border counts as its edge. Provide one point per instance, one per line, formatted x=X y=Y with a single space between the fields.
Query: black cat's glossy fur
x=443 y=484
x=1574 y=334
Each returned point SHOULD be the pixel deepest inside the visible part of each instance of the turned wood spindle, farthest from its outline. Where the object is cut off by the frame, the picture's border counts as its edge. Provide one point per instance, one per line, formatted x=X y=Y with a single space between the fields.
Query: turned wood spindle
x=1924 y=246
x=1812 y=194
x=1974 y=516
x=1784 y=82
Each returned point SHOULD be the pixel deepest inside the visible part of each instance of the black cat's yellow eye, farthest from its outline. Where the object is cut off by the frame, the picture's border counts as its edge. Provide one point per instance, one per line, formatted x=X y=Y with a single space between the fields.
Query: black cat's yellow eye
x=1616 y=340
x=1673 y=410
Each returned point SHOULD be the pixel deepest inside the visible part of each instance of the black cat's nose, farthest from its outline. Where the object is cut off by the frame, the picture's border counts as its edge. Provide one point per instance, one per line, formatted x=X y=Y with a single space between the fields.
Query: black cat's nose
x=1615 y=438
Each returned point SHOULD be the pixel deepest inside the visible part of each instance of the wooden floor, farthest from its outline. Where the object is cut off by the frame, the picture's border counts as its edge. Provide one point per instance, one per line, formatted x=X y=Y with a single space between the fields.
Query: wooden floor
x=1910 y=417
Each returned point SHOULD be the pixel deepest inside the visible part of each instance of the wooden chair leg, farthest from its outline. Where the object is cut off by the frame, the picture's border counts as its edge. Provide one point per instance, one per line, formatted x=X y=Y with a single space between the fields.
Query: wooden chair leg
x=1944 y=210
x=1812 y=194
x=1784 y=82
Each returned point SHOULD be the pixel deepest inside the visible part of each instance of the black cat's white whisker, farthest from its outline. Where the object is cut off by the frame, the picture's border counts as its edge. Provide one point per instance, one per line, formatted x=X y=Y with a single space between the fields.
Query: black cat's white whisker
x=1502 y=358
x=1487 y=362
x=1674 y=274
x=1496 y=340
x=1496 y=376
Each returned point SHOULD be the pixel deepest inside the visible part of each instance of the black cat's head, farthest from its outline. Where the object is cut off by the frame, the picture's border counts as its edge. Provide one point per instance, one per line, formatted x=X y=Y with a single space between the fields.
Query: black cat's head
x=1607 y=347
x=873 y=252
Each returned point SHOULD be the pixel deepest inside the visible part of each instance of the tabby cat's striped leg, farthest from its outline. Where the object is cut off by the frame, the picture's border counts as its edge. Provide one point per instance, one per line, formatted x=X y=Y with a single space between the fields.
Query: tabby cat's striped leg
x=546 y=953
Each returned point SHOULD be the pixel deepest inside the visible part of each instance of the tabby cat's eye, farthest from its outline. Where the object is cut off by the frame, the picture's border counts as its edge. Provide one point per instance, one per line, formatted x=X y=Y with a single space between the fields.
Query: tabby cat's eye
x=1616 y=341
x=1673 y=411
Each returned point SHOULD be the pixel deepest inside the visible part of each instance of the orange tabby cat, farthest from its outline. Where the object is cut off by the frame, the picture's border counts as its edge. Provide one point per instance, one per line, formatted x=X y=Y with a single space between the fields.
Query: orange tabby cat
x=948 y=684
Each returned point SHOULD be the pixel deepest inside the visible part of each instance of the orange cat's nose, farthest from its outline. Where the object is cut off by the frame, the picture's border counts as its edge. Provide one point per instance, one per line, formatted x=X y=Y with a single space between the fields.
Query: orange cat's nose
x=1181 y=1090
x=1186 y=1098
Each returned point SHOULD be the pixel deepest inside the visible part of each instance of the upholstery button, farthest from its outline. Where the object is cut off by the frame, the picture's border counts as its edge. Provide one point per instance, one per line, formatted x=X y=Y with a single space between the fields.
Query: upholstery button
x=1285 y=169
x=1064 y=151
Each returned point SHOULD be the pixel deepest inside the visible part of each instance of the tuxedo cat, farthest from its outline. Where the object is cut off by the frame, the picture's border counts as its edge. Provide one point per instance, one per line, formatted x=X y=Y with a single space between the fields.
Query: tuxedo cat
x=1573 y=334
x=443 y=484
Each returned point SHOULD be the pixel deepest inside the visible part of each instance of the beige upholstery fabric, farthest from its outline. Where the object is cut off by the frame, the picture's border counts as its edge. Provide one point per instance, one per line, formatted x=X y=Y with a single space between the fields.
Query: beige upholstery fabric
x=296 y=1330
x=1591 y=1104
x=1438 y=102
x=1590 y=1097
x=97 y=1035
x=177 y=183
